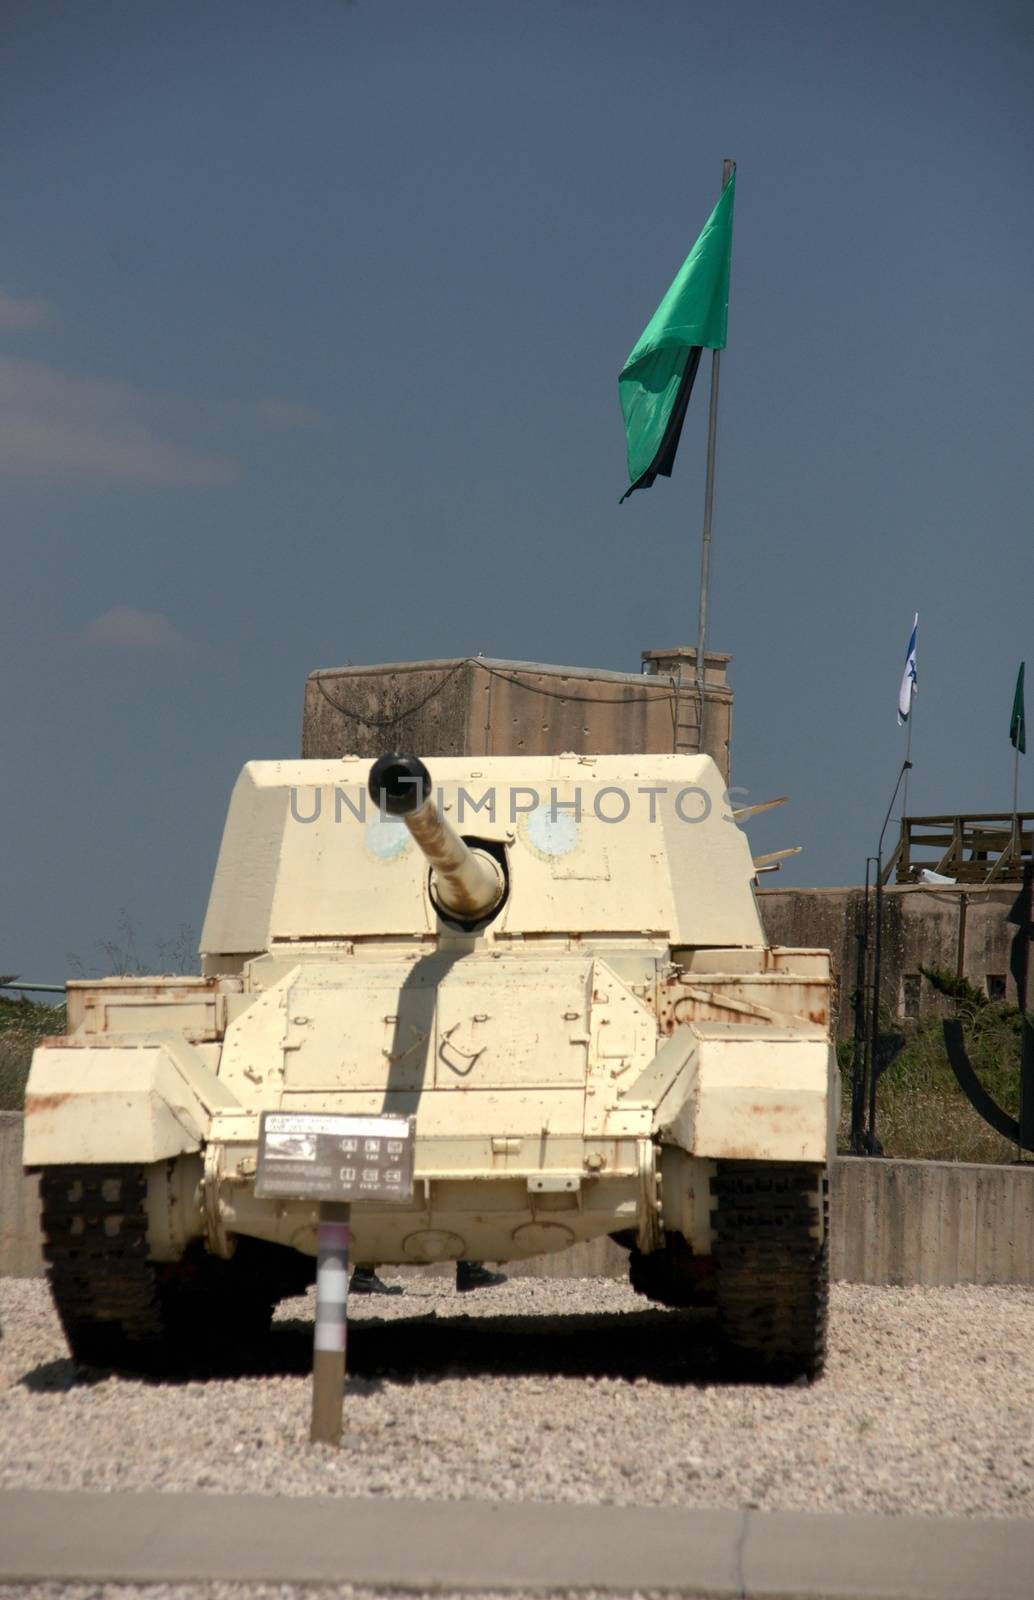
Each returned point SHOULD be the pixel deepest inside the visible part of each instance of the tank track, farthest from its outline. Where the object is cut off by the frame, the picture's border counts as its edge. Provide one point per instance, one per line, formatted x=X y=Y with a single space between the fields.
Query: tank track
x=95 y=1246
x=117 y=1308
x=772 y=1275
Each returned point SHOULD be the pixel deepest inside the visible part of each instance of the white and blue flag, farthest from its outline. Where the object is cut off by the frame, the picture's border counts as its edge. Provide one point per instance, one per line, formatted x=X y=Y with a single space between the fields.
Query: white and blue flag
x=908 y=677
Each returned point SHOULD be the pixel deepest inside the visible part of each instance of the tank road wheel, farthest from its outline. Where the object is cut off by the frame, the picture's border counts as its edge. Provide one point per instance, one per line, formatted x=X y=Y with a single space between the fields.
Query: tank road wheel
x=119 y=1309
x=772 y=1274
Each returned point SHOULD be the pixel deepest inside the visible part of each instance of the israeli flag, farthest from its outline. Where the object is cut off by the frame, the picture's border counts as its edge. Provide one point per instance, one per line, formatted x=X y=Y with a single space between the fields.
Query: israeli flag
x=908 y=677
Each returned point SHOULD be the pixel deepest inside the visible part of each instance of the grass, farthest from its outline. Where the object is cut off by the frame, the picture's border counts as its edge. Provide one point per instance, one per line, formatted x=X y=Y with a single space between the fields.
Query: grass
x=921 y=1113
x=22 y=1024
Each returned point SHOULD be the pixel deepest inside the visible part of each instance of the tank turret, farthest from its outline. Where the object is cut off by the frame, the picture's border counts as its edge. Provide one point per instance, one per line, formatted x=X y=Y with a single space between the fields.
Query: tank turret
x=468 y=884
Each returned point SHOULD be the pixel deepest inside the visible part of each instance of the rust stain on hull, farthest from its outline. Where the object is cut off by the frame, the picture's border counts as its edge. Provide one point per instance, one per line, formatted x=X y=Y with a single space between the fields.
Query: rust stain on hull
x=35 y=1103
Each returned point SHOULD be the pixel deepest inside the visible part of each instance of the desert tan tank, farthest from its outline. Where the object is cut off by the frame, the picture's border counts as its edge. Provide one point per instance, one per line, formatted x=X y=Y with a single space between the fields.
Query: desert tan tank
x=554 y=963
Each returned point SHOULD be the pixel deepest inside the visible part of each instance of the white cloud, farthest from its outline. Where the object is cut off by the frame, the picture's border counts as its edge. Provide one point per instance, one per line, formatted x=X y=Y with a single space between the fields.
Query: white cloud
x=282 y=414
x=20 y=313
x=127 y=630
x=56 y=424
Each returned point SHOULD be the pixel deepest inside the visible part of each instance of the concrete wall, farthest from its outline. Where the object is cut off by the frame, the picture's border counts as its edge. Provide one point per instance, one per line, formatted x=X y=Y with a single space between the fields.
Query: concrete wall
x=932 y=1222
x=963 y=930
x=900 y=1222
x=894 y=1222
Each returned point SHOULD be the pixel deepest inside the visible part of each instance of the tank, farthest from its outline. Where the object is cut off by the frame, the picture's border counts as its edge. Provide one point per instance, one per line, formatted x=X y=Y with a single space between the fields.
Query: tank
x=554 y=964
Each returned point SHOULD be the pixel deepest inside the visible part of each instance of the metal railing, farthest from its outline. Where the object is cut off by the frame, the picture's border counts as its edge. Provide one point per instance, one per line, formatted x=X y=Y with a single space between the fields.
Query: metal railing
x=974 y=847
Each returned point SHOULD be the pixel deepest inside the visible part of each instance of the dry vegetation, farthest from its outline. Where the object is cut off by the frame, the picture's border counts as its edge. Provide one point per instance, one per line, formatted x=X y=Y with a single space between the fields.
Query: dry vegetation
x=22 y=1024
x=921 y=1111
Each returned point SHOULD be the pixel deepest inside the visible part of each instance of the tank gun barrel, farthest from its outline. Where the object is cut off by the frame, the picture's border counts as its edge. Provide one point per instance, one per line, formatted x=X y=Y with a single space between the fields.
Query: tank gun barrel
x=467 y=883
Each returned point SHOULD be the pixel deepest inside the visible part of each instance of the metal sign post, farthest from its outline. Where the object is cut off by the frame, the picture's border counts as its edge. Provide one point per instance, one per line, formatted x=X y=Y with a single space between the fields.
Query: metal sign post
x=335 y=1161
x=329 y=1341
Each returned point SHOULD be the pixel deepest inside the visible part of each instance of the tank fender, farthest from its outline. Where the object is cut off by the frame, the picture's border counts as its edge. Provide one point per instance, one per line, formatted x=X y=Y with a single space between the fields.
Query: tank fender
x=747 y=1092
x=662 y=1087
x=119 y=1101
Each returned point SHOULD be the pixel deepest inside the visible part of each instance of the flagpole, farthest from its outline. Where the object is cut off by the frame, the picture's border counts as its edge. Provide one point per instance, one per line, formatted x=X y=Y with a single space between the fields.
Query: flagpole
x=907 y=700
x=728 y=168
x=873 y=1146
x=1017 y=736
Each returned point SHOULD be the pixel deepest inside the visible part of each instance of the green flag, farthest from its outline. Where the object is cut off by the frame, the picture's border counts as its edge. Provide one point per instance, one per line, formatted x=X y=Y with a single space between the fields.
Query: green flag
x=657 y=378
x=1018 y=725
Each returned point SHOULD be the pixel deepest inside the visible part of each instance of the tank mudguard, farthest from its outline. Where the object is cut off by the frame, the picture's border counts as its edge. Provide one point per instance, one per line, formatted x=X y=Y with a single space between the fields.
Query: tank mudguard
x=122 y=1101
x=742 y=1092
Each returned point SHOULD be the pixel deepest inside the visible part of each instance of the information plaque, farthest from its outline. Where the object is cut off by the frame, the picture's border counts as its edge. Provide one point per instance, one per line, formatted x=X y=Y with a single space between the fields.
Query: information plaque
x=309 y=1156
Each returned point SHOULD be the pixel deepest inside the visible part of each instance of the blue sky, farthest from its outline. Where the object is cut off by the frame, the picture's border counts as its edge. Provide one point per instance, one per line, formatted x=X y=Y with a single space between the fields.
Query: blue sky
x=311 y=317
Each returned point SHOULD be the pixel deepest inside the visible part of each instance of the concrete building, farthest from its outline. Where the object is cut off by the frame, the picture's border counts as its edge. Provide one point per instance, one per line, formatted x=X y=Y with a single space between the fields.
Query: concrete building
x=479 y=706
x=967 y=930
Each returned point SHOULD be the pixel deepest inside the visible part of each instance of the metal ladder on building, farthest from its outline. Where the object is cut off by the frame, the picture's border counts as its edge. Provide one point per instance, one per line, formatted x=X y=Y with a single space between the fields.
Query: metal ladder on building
x=687 y=717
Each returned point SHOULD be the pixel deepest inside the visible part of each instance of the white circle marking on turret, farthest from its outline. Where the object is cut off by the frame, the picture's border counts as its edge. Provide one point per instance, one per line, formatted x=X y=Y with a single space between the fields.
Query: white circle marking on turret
x=386 y=837
x=552 y=832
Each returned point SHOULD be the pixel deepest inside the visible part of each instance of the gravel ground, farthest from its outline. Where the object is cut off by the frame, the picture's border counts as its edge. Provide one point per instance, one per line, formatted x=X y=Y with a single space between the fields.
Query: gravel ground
x=553 y=1390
